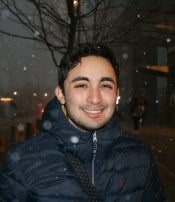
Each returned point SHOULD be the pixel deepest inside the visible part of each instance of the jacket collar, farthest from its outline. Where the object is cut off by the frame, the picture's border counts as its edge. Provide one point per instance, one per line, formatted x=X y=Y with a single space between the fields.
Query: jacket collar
x=57 y=125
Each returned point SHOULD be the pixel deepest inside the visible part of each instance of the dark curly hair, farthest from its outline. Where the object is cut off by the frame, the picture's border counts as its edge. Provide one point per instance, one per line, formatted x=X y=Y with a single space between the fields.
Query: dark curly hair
x=73 y=57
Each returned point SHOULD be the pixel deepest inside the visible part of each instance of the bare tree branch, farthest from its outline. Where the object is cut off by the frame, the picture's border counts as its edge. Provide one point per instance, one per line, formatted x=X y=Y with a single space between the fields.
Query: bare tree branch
x=60 y=24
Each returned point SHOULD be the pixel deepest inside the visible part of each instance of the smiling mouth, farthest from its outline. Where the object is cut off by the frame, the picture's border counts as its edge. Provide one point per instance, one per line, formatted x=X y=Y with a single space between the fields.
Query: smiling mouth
x=94 y=113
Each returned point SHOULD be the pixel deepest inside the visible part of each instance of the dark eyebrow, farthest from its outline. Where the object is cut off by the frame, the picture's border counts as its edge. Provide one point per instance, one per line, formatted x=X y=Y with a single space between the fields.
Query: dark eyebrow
x=80 y=78
x=107 y=79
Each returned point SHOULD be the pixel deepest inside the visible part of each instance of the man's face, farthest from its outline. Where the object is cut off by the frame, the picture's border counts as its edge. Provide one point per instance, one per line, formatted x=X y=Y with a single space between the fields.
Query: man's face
x=90 y=93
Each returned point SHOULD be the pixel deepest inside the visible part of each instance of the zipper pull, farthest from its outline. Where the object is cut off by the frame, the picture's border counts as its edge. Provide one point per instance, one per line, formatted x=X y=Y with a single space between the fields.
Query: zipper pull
x=94 y=152
x=95 y=144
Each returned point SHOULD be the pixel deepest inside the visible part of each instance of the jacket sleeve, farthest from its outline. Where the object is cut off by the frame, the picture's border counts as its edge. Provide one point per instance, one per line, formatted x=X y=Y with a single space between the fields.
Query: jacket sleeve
x=154 y=191
x=12 y=183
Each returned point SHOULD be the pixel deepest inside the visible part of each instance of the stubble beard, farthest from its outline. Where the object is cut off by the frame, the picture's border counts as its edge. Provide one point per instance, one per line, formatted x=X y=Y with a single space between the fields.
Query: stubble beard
x=82 y=123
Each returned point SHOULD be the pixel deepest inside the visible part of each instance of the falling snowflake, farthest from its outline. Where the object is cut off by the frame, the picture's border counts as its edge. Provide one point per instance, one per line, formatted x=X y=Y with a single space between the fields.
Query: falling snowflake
x=15 y=156
x=20 y=127
x=74 y=139
x=47 y=125
x=36 y=33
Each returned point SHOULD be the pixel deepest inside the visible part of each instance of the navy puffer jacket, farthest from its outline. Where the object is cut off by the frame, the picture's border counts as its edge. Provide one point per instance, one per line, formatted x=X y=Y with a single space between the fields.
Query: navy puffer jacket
x=37 y=170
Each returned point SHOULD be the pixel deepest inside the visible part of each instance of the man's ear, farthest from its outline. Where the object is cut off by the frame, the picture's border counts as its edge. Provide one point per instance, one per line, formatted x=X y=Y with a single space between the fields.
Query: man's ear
x=59 y=94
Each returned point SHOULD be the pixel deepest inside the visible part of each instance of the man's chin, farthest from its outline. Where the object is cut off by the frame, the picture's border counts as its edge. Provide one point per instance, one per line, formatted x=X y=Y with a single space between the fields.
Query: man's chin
x=91 y=127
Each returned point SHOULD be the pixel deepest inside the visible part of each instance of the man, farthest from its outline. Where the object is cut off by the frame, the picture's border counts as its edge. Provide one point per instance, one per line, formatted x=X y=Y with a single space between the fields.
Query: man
x=81 y=120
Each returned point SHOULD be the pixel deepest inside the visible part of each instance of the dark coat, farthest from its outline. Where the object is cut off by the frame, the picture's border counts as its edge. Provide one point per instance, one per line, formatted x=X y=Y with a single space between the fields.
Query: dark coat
x=37 y=169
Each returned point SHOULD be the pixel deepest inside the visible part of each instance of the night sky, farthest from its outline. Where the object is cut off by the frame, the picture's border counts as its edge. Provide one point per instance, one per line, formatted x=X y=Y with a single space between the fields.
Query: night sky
x=21 y=63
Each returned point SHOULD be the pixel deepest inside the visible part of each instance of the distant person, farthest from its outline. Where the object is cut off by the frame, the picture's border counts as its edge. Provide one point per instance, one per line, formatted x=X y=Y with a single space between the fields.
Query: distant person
x=135 y=113
x=143 y=105
x=80 y=138
x=137 y=110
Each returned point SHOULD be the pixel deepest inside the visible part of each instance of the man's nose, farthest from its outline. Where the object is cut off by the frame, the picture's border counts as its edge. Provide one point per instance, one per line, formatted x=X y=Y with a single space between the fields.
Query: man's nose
x=94 y=96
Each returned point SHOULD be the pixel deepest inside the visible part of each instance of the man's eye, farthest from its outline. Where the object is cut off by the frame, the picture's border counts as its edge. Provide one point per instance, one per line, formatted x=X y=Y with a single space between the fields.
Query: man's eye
x=107 y=86
x=81 y=86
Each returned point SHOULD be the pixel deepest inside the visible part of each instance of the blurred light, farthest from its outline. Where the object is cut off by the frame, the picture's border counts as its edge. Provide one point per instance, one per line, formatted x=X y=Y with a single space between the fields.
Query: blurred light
x=6 y=99
x=170 y=27
x=168 y=40
x=75 y=3
x=160 y=68
x=45 y=94
x=34 y=94
x=15 y=93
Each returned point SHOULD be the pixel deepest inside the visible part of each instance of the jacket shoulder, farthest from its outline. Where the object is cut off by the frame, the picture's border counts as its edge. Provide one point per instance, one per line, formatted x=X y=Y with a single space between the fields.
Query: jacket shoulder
x=130 y=140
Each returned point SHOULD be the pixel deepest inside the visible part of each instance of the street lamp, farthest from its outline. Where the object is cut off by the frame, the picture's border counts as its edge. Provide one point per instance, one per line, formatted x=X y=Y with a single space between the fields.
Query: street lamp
x=75 y=2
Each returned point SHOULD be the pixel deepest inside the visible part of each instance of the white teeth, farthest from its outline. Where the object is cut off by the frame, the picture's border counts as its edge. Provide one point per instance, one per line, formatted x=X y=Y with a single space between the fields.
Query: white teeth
x=93 y=112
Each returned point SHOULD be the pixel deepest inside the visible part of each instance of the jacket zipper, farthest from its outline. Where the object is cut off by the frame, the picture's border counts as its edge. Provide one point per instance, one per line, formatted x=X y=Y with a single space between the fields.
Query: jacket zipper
x=94 y=153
